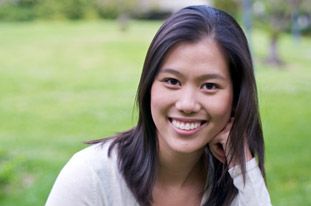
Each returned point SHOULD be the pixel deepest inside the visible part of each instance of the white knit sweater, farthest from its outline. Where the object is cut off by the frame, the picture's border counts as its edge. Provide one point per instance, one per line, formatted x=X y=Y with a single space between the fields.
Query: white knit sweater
x=91 y=178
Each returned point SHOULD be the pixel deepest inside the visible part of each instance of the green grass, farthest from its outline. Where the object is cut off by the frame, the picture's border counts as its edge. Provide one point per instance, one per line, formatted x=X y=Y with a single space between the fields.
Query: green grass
x=285 y=97
x=62 y=83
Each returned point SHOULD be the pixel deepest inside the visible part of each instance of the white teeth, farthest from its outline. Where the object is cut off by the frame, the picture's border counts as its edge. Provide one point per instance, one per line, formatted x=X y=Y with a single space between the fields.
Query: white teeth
x=186 y=125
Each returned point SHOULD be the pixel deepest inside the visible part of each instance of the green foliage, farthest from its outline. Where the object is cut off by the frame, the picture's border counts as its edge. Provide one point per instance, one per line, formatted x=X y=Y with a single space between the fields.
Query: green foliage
x=107 y=9
x=75 y=9
x=27 y=10
x=59 y=9
x=230 y=6
x=276 y=16
x=22 y=10
x=7 y=171
x=50 y=9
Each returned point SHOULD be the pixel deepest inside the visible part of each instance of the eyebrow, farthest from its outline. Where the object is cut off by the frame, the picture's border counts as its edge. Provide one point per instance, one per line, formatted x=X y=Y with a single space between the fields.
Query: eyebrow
x=171 y=71
x=203 y=77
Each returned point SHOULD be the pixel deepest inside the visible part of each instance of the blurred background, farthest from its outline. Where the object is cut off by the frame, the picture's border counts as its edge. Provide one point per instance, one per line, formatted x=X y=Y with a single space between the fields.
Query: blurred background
x=69 y=70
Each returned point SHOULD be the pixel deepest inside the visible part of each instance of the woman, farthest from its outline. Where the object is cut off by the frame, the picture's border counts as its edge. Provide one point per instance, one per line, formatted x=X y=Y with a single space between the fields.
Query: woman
x=198 y=130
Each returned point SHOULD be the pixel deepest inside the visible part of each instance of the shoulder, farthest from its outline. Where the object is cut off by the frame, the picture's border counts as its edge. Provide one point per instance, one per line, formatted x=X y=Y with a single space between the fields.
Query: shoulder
x=95 y=155
x=106 y=177
x=96 y=160
x=86 y=177
x=253 y=191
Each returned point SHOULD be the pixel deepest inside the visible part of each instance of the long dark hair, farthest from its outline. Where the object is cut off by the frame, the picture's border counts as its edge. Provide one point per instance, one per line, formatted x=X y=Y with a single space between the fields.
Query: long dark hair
x=137 y=148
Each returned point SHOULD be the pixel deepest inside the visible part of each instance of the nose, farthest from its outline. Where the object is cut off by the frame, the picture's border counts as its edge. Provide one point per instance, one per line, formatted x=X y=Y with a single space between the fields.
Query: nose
x=188 y=102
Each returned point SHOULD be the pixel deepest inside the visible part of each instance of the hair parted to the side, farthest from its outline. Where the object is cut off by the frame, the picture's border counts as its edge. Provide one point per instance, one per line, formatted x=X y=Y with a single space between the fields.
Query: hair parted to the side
x=137 y=148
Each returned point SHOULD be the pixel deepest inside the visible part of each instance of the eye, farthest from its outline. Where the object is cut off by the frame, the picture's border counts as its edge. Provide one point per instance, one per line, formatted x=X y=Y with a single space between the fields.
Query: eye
x=209 y=86
x=171 y=82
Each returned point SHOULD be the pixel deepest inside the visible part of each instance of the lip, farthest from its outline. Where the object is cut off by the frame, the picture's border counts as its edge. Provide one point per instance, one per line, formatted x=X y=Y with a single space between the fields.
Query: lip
x=187 y=120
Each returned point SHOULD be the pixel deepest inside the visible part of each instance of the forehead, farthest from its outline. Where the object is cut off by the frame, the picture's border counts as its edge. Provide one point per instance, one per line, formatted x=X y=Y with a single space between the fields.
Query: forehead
x=203 y=56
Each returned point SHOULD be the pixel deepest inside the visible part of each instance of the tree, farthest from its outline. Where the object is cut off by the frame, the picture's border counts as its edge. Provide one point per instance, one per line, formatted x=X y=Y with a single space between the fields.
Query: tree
x=117 y=9
x=230 y=6
x=277 y=16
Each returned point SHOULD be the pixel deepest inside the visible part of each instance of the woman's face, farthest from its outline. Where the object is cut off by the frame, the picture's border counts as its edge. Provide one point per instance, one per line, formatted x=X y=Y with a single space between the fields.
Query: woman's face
x=191 y=97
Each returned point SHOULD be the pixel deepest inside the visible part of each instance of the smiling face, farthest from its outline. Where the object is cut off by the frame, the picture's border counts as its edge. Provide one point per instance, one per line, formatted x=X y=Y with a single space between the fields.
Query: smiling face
x=191 y=97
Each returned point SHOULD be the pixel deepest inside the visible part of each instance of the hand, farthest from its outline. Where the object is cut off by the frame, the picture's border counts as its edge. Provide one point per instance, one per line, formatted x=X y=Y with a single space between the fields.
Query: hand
x=219 y=146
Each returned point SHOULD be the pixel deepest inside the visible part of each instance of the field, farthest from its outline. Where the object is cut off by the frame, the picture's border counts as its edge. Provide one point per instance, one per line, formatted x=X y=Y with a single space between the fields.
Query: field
x=62 y=83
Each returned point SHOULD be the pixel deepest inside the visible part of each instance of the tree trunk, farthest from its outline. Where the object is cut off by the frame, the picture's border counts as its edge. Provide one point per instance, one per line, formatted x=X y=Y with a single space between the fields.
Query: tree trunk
x=273 y=57
x=123 y=20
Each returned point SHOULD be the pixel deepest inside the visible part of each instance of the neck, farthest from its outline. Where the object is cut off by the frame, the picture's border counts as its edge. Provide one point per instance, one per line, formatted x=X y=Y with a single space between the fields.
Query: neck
x=178 y=170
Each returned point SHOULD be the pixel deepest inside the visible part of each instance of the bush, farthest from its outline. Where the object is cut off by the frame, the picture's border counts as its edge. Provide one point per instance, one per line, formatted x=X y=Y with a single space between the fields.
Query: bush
x=107 y=9
x=76 y=9
x=50 y=9
x=112 y=9
x=20 y=10
x=27 y=10
x=7 y=168
x=59 y=9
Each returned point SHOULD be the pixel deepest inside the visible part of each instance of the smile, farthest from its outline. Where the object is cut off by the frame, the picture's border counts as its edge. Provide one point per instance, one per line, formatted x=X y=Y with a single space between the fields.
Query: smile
x=186 y=125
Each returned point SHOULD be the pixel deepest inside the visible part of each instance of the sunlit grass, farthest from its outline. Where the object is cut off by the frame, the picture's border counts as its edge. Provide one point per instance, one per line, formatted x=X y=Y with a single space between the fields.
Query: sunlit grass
x=62 y=83
x=285 y=95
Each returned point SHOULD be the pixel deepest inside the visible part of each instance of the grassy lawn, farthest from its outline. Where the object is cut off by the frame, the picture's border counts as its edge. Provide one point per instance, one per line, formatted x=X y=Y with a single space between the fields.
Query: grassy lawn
x=65 y=83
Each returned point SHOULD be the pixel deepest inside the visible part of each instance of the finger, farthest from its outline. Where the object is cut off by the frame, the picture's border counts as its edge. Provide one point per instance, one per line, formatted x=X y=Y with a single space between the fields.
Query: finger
x=229 y=125
x=218 y=152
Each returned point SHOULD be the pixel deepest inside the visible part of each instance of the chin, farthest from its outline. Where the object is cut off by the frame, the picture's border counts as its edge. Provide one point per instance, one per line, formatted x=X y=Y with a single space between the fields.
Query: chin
x=186 y=148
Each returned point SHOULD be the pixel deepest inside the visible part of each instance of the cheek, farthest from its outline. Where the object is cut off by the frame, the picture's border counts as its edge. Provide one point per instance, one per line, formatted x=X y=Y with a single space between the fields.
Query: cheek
x=158 y=101
x=155 y=101
x=221 y=107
